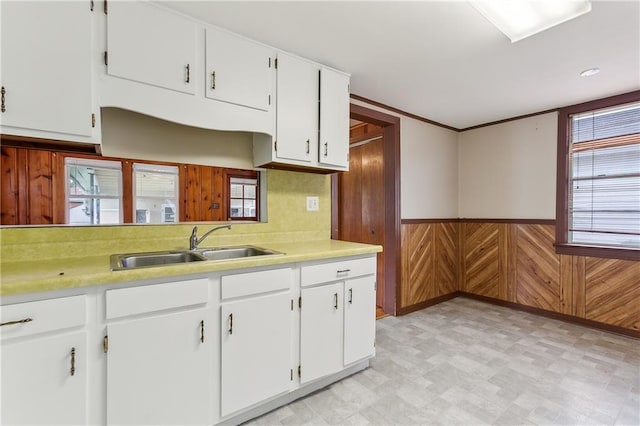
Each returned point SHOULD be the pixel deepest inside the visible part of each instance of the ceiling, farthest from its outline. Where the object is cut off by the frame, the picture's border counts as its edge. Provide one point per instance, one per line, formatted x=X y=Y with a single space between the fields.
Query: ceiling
x=442 y=60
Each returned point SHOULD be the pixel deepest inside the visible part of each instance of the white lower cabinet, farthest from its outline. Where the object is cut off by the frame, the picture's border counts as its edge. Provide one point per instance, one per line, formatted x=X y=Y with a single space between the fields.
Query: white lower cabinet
x=321 y=319
x=256 y=318
x=224 y=347
x=337 y=316
x=256 y=350
x=159 y=366
x=359 y=318
x=44 y=362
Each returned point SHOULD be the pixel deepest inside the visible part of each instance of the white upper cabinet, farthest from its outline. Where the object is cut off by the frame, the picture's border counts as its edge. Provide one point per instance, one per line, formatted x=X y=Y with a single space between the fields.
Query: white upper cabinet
x=312 y=119
x=297 y=110
x=151 y=45
x=238 y=70
x=334 y=118
x=47 y=71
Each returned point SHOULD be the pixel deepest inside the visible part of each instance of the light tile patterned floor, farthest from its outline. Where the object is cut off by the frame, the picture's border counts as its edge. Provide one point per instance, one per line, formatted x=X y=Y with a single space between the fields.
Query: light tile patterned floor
x=467 y=362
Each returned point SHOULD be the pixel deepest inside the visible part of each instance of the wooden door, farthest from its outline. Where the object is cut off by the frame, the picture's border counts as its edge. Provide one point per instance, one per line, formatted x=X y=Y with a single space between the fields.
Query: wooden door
x=361 y=214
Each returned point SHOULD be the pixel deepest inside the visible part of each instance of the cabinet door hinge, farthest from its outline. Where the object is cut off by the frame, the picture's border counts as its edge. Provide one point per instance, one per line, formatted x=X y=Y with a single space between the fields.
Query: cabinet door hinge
x=300 y=371
x=105 y=344
x=106 y=10
x=106 y=58
x=300 y=302
x=93 y=120
x=292 y=374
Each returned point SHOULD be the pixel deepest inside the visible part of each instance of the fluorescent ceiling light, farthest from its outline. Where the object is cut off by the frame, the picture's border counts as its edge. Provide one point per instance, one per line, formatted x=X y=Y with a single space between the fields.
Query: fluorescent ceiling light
x=519 y=19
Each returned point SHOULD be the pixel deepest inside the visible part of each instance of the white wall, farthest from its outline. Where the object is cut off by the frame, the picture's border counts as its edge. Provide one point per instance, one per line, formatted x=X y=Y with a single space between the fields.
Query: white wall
x=508 y=170
x=129 y=134
x=428 y=168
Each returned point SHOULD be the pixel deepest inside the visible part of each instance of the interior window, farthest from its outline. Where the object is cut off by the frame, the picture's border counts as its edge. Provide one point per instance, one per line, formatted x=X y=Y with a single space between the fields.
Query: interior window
x=155 y=193
x=603 y=177
x=93 y=192
x=243 y=198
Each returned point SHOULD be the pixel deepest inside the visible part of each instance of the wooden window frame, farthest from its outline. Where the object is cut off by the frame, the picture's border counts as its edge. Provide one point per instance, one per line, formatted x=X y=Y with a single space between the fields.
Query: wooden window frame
x=243 y=174
x=562 y=183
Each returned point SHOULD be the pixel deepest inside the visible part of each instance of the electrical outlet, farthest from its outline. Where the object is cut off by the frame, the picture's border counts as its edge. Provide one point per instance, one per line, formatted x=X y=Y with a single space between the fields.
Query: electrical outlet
x=313 y=204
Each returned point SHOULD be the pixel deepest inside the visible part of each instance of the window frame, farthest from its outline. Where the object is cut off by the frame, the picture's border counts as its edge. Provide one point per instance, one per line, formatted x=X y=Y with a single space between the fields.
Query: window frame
x=100 y=163
x=563 y=181
x=242 y=174
x=167 y=169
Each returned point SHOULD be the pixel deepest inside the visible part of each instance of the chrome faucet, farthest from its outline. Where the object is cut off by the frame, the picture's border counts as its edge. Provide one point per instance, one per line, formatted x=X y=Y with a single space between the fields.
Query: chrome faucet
x=194 y=241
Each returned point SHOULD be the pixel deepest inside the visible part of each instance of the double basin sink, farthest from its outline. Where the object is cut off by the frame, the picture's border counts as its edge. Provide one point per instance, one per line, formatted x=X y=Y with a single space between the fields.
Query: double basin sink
x=121 y=262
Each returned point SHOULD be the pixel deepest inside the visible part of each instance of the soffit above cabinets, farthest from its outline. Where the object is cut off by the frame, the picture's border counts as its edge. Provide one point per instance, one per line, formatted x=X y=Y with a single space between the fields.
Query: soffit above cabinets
x=443 y=60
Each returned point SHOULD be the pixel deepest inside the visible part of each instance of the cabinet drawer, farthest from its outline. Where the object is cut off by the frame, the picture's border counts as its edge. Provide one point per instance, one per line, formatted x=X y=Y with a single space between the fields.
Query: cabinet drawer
x=251 y=283
x=152 y=298
x=339 y=270
x=24 y=319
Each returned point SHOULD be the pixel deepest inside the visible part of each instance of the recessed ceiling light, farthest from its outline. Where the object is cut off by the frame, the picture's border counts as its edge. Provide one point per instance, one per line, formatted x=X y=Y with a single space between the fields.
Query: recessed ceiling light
x=589 y=72
x=519 y=19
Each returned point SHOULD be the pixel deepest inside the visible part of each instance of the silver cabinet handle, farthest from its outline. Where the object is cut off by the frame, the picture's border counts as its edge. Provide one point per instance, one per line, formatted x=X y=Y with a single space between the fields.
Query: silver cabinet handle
x=213 y=80
x=202 y=331
x=350 y=295
x=308 y=146
x=326 y=149
x=230 y=323
x=343 y=271
x=3 y=107
x=188 y=76
x=22 y=321
x=335 y=298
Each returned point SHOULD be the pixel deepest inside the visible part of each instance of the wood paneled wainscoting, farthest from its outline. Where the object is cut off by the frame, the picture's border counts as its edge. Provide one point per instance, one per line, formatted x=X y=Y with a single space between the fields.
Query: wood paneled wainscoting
x=513 y=263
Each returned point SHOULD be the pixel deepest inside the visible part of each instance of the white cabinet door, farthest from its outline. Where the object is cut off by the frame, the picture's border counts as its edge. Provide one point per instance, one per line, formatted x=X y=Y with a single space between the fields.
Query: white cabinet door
x=46 y=67
x=359 y=318
x=321 y=319
x=238 y=70
x=151 y=45
x=159 y=370
x=44 y=380
x=297 y=109
x=333 y=149
x=256 y=350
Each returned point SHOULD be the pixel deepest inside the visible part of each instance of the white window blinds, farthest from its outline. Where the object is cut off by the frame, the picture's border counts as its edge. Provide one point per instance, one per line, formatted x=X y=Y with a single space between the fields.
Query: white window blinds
x=604 y=156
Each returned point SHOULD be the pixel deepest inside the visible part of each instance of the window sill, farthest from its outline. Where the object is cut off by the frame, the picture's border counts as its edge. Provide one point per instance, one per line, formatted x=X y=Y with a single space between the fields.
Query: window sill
x=598 y=251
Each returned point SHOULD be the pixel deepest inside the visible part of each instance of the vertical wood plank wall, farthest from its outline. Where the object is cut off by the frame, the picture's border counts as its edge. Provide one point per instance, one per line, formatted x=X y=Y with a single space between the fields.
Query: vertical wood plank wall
x=517 y=263
x=33 y=188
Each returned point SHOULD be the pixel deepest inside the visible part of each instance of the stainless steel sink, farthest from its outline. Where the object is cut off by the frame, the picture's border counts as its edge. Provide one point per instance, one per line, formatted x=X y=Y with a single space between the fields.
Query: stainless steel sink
x=144 y=260
x=121 y=262
x=223 y=253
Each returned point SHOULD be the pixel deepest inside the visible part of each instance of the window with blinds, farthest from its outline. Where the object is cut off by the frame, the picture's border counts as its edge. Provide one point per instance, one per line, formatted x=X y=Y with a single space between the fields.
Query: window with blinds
x=604 y=187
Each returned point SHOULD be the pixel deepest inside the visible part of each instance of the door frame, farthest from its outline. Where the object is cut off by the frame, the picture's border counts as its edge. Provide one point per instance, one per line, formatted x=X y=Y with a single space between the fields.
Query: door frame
x=391 y=155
